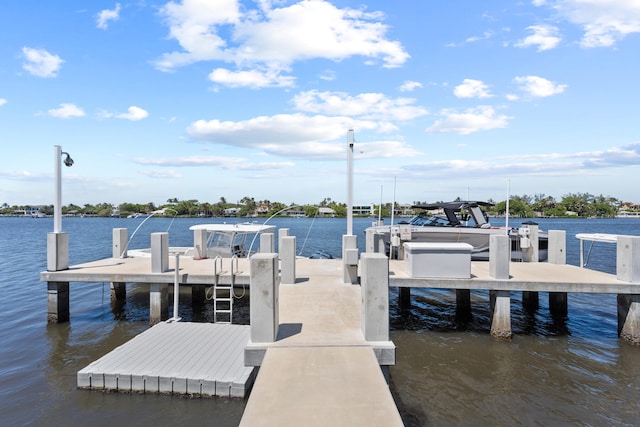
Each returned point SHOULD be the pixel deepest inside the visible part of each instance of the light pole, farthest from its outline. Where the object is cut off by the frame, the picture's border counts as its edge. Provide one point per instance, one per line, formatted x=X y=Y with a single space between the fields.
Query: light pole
x=349 y=241
x=350 y=183
x=57 y=205
x=58 y=242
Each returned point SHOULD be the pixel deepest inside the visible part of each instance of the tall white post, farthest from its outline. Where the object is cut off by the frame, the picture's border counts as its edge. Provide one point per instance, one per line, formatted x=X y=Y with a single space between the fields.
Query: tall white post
x=57 y=203
x=350 y=184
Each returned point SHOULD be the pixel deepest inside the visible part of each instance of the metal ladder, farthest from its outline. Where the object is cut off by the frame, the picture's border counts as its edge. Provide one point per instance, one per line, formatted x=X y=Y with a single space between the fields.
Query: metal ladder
x=223 y=294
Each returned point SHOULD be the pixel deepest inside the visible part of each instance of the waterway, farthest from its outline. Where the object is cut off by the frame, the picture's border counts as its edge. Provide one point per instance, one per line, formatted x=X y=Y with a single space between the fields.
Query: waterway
x=570 y=370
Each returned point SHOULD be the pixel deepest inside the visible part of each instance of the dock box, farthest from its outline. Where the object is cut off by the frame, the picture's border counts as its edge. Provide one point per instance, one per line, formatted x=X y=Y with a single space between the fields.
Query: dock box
x=438 y=260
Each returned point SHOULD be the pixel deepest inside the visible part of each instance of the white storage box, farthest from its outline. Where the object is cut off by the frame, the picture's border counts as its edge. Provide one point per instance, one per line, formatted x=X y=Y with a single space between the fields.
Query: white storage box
x=438 y=260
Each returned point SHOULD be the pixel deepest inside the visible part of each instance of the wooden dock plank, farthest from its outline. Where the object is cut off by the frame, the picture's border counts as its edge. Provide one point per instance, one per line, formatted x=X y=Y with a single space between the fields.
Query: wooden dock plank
x=176 y=357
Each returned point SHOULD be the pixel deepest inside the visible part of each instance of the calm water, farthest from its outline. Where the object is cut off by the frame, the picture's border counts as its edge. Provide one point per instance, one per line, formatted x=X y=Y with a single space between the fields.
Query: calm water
x=555 y=371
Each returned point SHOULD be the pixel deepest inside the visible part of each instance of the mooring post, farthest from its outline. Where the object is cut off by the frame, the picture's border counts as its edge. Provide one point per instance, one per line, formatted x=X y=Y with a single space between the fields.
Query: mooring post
x=118 y=250
x=282 y=232
x=159 y=252
x=499 y=256
x=200 y=244
x=57 y=302
x=288 y=260
x=350 y=258
x=557 y=254
x=57 y=251
x=500 y=314
x=375 y=306
x=374 y=242
x=267 y=243
x=263 y=306
x=119 y=243
x=628 y=269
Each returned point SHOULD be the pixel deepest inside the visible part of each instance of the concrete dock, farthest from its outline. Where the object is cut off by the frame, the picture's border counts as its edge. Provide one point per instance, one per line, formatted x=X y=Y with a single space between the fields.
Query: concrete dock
x=320 y=370
x=319 y=328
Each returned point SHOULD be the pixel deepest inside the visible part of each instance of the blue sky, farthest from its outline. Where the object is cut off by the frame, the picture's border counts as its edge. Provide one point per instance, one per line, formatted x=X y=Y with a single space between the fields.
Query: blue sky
x=199 y=99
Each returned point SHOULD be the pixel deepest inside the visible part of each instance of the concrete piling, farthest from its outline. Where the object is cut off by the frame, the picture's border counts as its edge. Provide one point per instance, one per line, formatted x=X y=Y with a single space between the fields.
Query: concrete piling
x=500 y=314
x=57 y=302
x=264 y=306
x=159 y=252
x=158 y=302
x=350 y=258
x=288 y=259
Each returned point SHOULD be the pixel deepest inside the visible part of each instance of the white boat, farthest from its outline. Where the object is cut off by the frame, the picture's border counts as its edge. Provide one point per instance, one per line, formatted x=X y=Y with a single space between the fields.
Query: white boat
x=455 y=222
x=222 y=240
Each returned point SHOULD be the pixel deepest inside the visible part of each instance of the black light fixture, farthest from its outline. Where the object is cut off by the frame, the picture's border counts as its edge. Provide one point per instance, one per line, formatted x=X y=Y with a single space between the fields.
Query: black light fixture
x=68 y=161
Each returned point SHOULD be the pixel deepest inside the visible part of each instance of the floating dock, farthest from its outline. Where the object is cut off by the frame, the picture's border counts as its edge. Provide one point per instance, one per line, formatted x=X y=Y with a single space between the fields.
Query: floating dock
x=203 y=359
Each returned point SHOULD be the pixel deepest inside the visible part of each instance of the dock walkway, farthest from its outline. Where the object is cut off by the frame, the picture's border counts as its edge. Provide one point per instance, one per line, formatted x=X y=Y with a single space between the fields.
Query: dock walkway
x=320 y=371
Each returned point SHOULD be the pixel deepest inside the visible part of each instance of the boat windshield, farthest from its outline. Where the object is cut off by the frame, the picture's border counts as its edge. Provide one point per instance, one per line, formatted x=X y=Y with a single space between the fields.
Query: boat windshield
x=422 y=220
x=226 y=240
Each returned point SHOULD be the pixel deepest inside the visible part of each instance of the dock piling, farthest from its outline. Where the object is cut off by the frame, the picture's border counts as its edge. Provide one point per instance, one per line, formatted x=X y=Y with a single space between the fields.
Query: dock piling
x=500 y=314
x=158 y=302
x=57 y=302
x=629 y=318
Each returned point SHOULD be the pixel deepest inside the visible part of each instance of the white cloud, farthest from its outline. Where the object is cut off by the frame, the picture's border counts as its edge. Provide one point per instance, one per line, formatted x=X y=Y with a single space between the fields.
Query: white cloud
x=473 y=120
x=486 y=35
x=3 y=101
x=281 y=129
x=253 y=79
x=41 y=63
x=162 y=173
x=298 y=136
x=228 y=163
x=545 y=37
x=328 y=75
x=104 y=16
x=604 y=22
x=366 y=105
x=410 y=86
x=273 y=38
x=67 y=111
x=539 y=87
x=134 y=114
x=472 y=89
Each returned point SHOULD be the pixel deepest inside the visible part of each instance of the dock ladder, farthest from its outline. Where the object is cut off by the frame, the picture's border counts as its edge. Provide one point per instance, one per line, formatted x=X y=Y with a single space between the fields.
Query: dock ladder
x=223 y=293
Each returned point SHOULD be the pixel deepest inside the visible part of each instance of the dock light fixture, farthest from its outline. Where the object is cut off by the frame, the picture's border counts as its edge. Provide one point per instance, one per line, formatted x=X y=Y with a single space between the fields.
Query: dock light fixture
x=57 y=207
x=68 y=161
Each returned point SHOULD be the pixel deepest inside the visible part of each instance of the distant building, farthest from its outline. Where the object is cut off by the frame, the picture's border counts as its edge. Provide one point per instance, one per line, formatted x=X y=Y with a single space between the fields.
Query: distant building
x=364 y=210
x=231 y=212
x=323 y=211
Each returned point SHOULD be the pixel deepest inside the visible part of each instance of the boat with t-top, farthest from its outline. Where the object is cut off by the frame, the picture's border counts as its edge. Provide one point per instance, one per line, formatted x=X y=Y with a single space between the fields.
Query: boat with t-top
x=457 y=222
x=221 y=240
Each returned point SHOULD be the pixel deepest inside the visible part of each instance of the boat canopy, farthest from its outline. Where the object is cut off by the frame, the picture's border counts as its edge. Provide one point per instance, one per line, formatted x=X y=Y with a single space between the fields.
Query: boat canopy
x=235 y=228
x=452 y=208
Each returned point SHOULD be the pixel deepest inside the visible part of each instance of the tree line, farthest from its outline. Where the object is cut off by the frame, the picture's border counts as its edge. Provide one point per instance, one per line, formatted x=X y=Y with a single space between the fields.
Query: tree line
x=570 y=205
